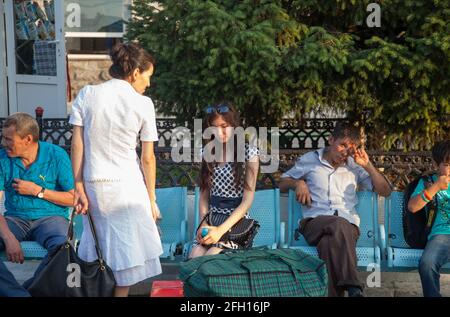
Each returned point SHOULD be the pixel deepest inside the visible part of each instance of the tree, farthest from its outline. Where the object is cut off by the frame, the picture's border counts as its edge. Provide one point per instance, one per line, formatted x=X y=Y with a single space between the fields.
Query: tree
x=279 y=57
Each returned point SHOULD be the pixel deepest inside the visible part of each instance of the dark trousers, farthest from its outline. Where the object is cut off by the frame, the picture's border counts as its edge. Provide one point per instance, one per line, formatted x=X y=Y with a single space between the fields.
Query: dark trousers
x=50 y=232
x=9 y=287
x=335 y=239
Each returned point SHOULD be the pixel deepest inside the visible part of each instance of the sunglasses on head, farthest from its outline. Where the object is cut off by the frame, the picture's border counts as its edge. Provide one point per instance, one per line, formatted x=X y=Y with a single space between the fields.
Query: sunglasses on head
x=223 y=108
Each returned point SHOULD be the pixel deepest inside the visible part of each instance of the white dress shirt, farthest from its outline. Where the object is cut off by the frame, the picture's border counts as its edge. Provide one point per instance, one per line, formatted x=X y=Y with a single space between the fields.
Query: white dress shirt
x=333 y=191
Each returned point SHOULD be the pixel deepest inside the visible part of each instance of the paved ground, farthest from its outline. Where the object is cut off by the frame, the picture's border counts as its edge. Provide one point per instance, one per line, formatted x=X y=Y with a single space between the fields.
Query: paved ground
x=392 y=284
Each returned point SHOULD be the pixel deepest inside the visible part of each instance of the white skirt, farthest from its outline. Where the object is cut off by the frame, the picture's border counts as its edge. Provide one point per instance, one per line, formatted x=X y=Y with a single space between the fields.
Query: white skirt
x=125 y=228
x=136 y=274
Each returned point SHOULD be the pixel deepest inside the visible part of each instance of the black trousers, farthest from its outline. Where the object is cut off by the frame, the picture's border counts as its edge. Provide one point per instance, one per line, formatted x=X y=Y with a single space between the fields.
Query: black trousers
x=335 y=239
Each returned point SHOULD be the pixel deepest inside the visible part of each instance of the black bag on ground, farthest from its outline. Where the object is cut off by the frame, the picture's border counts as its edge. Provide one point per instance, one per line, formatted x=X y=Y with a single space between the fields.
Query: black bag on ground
x=66 y=275
x=417 y=226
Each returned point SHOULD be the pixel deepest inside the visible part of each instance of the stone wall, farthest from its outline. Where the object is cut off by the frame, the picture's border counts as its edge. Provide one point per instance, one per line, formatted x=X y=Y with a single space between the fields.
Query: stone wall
x=87 y=71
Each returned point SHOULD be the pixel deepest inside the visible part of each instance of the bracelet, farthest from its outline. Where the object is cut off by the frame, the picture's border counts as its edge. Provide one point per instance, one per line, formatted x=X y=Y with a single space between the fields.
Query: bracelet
x=427 y=195
x=424 y=198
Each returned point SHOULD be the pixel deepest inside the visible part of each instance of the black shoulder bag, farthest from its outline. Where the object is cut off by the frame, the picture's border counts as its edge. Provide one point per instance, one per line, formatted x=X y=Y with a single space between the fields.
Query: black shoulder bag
x=66 y=275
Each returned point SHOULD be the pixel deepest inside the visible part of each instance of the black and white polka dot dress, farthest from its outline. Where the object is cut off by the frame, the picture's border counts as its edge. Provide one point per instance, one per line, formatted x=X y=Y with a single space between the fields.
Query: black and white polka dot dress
x=223 y=185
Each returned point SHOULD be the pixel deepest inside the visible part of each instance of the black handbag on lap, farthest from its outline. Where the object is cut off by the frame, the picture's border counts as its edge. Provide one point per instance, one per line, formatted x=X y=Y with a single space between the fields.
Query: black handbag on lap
x=242 y=233
x=66 y=275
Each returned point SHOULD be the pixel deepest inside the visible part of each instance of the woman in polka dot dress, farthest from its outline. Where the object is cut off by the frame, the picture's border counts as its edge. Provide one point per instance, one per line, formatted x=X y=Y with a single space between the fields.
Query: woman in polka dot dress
x=225 y=176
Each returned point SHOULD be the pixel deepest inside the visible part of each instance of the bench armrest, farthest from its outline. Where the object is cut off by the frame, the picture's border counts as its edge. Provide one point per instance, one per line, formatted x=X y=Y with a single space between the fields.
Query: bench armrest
x=382 y=240
x=282 y=234
x=183 y=231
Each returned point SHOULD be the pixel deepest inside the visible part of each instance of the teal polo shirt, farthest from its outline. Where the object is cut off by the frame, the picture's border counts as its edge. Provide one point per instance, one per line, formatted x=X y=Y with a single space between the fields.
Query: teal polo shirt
x=51 y=170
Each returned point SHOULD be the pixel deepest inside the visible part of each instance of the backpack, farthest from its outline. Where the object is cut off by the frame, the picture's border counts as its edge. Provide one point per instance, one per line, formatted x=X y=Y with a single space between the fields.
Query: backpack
x=417 y=226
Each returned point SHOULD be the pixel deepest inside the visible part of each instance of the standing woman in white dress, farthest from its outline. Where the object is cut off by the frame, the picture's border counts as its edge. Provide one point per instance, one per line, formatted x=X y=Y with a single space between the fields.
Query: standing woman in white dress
x=108 y=119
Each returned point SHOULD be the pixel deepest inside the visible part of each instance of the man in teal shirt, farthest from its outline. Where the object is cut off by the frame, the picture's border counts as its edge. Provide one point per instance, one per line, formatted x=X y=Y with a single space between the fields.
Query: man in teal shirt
x=437 y=250
x=37 y=180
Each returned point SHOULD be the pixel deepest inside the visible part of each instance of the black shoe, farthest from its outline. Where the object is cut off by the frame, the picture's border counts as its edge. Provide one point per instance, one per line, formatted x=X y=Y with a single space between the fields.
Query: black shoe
x=355 y=292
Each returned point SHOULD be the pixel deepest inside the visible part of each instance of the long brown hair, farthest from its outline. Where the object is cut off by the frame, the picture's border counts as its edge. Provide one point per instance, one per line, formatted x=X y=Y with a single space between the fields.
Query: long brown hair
x=233 y=120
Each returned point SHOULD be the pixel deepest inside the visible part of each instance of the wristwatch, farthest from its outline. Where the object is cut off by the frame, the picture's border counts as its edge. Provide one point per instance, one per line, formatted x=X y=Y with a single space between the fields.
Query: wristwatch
x=41 y=193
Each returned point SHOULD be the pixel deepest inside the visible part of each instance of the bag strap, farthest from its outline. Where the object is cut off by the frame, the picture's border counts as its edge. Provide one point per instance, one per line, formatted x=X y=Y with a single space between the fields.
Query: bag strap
x=94 y=235
x=432 y=207
x=70 y=229
x=204 y=218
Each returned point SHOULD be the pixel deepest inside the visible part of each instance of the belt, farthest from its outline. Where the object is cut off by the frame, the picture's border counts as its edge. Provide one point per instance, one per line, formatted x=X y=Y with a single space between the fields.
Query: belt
x=224 y=202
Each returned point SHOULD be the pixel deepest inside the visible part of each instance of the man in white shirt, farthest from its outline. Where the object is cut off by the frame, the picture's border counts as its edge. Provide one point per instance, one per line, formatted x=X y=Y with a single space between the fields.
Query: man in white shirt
x=326 y=181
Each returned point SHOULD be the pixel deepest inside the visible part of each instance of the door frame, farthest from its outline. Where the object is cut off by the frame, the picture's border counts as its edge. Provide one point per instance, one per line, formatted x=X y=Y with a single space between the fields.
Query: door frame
x=3 y=71
x=14 y=79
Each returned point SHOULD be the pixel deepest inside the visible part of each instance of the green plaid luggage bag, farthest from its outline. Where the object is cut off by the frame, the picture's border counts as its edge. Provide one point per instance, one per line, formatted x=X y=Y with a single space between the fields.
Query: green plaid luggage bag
x=255 y=273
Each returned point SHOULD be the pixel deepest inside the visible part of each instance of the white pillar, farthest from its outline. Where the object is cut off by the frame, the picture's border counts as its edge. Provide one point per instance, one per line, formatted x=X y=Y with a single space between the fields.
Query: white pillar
x=3 y=89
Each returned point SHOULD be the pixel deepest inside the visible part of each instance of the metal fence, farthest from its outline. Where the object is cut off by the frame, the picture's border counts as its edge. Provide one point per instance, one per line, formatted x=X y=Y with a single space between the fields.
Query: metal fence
x=399 y=167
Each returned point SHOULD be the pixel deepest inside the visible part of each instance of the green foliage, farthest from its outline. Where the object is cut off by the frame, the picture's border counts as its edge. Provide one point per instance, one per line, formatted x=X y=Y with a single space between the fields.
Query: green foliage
x=274 y=58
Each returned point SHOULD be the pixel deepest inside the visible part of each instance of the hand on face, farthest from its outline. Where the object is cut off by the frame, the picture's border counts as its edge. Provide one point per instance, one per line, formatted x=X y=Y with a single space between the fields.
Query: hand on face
x=360 y=156
x=341 y=148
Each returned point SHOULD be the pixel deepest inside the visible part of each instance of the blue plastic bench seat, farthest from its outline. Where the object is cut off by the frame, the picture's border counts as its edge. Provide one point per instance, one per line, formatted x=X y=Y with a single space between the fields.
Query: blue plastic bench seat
x=266 y=210
x=172 y=203
x=399 y=254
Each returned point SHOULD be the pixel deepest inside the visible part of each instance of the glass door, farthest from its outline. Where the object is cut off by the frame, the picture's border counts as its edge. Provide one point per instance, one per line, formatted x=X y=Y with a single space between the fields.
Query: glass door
x=36 y=56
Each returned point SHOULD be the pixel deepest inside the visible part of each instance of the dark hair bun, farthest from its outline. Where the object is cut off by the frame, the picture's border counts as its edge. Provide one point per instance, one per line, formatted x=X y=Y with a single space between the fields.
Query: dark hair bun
x=126 y=57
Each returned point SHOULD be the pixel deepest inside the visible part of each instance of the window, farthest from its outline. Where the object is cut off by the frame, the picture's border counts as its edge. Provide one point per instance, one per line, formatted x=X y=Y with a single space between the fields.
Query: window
x=94 y=26
x=35 y=46
x=90 y=45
